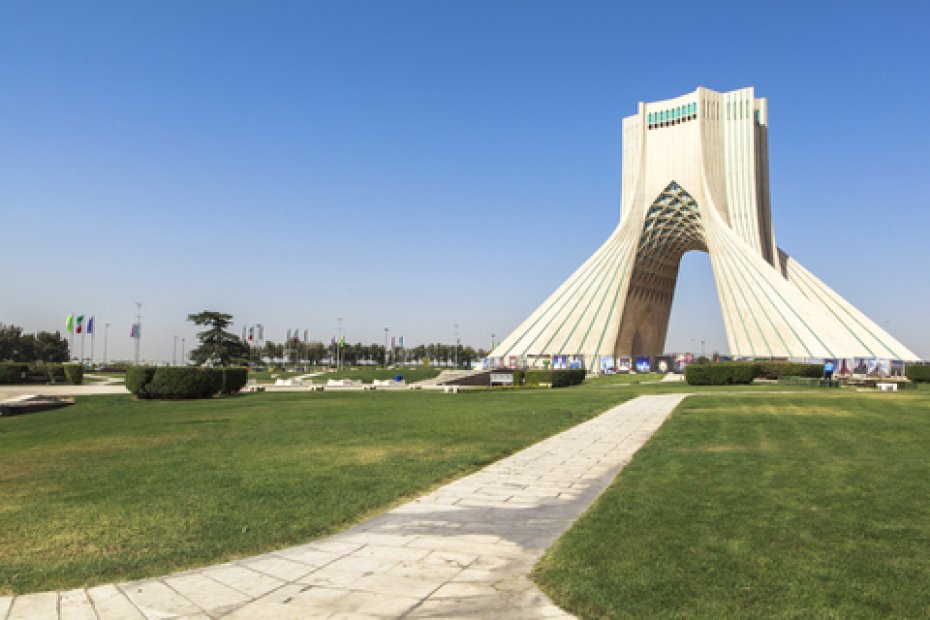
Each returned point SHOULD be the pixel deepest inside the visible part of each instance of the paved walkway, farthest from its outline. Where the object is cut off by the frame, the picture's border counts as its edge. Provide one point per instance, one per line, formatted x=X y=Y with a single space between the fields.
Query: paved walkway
x=463 y=550
x=63 y=389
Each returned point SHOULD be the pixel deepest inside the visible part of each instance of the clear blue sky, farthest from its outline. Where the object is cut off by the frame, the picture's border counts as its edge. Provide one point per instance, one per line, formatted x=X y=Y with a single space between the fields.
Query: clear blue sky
x=414 y=165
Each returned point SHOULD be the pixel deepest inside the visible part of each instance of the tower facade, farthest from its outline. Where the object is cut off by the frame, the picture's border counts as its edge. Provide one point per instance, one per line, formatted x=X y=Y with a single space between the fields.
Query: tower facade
x=695 y=177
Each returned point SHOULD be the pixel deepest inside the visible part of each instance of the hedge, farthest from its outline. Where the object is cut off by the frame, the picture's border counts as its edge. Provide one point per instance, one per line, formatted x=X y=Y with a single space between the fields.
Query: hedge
x=518 y=377
x=234 y=379
x=724 y=373
x=74 y=373
x=54 y=372
x=12 y=372
x=918 y=374
x=173 y=383
x=555 y=378
x=138 y=378
x=777 y=370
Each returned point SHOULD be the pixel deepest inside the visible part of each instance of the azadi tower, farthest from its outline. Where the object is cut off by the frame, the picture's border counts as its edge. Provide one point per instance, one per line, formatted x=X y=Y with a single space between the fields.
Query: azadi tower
x=696 y=177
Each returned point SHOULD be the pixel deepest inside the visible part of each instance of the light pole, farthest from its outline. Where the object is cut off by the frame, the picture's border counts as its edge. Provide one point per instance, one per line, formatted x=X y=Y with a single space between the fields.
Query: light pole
x=138 y=330
x=455 y=355
x=702 y=348
x=183 y=363
x=339 y=346
x=174 y=352
x=106 y=330
x=385 y=346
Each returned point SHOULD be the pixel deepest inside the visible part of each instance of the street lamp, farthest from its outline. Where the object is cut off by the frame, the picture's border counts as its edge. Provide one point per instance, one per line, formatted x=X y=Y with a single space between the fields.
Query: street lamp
x=174 y=352
x=385 y=346
x=456 y=354
x=106 y=330
x=183 y=363
x=702 y=348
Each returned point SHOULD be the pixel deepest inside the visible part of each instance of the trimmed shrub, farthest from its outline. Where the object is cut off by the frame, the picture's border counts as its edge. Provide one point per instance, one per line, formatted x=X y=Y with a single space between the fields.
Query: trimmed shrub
x=723 y=373
x=555 y=378
x=55 y=372
x=74 y=373
x=169 y=383
x=518 y=376
x=918 y=374
x=12 y=372
x=777 y=370
x=234 y=379
x=138 y=379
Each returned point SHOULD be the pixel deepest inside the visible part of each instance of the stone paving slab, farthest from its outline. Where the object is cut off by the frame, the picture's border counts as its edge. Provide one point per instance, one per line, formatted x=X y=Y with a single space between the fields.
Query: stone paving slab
x=462 y=551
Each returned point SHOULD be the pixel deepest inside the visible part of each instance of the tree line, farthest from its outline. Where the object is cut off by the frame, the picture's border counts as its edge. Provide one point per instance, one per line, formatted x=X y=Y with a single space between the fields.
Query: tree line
x=317 y=353
x=221 y=347
x=15 y=346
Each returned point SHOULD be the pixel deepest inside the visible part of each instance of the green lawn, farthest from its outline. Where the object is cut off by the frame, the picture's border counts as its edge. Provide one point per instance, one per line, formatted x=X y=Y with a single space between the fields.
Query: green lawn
x=761 y=505
x=114 y=488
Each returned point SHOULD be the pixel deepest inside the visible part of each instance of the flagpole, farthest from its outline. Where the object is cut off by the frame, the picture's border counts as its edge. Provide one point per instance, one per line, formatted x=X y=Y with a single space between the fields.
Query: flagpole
x=138 y=343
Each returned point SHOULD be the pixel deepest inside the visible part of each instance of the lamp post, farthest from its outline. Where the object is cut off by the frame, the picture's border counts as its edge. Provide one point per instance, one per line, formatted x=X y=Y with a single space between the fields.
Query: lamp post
x=106 y=331
x=183 y=363
x=339 y=346
x=174 y=352
x=456 y=353
x=702 y=348
x=385 y=346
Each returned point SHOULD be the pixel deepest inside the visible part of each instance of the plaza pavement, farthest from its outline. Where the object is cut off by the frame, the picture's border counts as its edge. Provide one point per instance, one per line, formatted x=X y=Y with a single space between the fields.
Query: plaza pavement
x=463 y=550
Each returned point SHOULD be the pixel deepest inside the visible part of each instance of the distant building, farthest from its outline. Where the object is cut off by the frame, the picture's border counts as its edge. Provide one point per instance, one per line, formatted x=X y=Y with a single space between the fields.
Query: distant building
x=696 y=177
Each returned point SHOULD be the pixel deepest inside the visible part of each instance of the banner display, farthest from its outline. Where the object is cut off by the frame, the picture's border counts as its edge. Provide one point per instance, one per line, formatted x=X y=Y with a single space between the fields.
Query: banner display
x=643 y=363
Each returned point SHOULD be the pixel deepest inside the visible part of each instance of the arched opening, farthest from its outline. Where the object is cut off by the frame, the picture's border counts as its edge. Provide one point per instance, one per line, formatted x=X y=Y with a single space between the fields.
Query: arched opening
x=696 y=316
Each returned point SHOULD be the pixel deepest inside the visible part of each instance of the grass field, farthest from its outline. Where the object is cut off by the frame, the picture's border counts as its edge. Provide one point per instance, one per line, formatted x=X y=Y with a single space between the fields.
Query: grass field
x=761 y=505
x=114 y=488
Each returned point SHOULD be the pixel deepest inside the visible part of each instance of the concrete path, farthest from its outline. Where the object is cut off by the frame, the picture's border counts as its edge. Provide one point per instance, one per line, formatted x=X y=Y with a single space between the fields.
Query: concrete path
x=62 y=389
x=463 y=550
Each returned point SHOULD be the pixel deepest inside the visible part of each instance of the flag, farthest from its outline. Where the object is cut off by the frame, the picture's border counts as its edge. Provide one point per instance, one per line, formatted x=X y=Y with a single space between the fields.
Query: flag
x=69 y=323
x=342 y=341
x=261 y=331
x=305 y=335
x=90 y=325
x=401 y=341
x=135 y=332
x=251 y=333
x=288 y=336
x=80 y=321
x=393 y=344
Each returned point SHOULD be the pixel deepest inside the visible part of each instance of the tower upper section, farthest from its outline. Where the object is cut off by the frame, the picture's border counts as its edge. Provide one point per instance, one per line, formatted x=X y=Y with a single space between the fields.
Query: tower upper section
x=713 y=144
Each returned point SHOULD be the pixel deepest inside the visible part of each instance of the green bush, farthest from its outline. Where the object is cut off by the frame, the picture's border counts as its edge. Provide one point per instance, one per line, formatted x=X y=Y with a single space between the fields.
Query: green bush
x=723 y=373
x=12 y=372
x=518 y=376
x=74 y=373
x=918 y=374
x=777 y=370
x=54 y=372
x=555 y=378
x=138 y=379
x=171 y=383
x=234 y=379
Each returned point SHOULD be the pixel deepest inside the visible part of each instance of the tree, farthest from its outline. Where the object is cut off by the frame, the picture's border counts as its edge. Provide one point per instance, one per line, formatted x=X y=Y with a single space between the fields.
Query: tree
x=41 y=347
x=217 y=346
